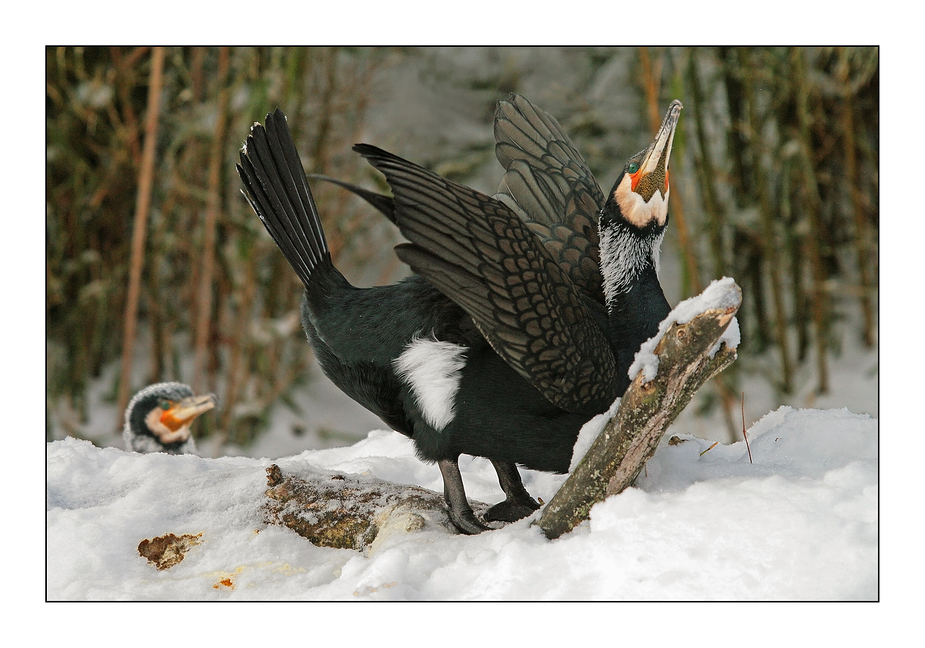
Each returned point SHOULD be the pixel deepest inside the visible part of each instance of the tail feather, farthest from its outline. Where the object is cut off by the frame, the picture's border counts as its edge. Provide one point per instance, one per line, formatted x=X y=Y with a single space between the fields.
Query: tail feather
x=384 y=204
x=277 y=189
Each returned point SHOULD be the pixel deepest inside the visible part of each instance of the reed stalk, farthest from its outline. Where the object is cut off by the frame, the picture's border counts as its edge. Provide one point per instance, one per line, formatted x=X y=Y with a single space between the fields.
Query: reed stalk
x=145 y=182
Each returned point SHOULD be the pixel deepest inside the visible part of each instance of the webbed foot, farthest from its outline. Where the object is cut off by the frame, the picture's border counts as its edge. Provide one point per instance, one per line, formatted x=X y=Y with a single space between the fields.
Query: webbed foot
x=518 y=504
x=466 y=521
x=511 y=510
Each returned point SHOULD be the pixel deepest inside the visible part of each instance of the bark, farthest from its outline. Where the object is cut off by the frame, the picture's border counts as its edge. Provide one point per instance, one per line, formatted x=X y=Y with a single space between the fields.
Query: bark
x=353 y=511
x=360 y=512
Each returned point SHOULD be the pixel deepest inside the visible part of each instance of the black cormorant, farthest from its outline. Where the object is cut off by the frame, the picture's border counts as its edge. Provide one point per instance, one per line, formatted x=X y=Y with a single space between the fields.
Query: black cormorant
x=518 y=327
x=158 y=418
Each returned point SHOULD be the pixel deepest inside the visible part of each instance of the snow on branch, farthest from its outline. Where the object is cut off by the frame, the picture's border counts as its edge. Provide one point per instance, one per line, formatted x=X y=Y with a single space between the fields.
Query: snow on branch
x=719 y=295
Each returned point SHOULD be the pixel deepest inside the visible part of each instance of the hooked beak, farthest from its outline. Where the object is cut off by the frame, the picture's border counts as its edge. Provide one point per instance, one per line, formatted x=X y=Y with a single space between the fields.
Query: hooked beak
x=659 y=152
x=183 y=412
x=640 y=195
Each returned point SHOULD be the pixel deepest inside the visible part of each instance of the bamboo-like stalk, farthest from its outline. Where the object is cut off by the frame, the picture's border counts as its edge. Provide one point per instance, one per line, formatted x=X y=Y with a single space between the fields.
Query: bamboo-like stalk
x=794 y=243
x=196 y=73
x=236 y=365
x=813 y=208
x=679 y=220
x=325 y=122
x=145 y=183
x=241 y=349
x=157 y=311
x=747 y=261
x=854 y=191
x=651 y=83
x=704 y=163
x=707 y=173
x=122 y=66
x=737 y=142
x=769 y=236
x=217 y=159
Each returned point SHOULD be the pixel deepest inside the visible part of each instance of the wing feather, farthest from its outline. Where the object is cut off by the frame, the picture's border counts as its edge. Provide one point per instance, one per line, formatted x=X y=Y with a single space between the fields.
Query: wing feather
x=484 y=257
x=549 y=185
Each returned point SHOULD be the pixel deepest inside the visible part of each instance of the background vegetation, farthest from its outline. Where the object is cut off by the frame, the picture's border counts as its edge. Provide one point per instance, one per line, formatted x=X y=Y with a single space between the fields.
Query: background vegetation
x=157 y=269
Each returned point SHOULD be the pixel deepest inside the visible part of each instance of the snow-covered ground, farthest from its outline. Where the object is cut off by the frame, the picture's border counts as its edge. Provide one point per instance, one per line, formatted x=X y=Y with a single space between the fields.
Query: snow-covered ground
x=800 y=523
x=796 y=519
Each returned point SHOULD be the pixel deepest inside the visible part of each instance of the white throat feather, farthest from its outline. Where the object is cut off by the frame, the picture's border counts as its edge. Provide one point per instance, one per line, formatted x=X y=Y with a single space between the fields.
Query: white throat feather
x=634 y=207
x=624 y=256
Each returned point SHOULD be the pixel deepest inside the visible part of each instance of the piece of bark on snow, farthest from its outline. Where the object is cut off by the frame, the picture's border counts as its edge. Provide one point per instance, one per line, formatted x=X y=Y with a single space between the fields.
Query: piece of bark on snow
x=687 y=357
x=352 y=511
x=167 y=550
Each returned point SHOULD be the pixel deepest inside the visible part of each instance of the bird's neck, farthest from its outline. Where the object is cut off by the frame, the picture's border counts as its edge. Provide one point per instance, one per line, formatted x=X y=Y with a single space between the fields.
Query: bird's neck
x=627 y=254
x=635 y=302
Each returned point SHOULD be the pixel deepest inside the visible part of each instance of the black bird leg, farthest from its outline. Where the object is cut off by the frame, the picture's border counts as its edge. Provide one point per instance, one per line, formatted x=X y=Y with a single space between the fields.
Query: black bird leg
x=518 y=504
x=455 y=494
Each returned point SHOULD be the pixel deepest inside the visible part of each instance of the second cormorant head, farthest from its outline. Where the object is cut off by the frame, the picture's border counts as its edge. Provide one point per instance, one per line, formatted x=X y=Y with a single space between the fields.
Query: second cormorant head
x=158 y=418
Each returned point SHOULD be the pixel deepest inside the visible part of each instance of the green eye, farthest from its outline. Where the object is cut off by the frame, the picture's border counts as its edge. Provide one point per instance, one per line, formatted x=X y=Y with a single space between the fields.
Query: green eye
x=165 y=404
x=632 y=167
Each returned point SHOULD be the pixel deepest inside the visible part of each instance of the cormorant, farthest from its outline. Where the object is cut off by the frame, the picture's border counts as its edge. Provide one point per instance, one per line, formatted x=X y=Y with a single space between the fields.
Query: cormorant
x=158 y=418
x=512 y=334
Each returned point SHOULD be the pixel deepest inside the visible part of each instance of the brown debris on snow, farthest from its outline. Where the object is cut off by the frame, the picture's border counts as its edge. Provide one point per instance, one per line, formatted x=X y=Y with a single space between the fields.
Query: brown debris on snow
x=167 y=550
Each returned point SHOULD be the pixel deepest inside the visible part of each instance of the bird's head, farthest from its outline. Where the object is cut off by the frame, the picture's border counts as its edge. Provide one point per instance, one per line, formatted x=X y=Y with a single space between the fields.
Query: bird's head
x=158 y=418
x=640 y=195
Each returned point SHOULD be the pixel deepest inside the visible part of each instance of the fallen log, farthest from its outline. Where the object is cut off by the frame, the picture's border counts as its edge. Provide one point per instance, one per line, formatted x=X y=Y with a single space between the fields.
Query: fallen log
x=347 y=511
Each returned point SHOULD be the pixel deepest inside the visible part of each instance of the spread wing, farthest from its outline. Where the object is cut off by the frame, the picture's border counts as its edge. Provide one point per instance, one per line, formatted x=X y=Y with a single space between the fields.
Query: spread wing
x=484 y=257
x=548 y=184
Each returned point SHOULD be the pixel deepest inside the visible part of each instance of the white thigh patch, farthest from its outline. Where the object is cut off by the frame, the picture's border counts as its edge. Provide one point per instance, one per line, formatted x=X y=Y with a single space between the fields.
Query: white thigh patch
x=433 y=370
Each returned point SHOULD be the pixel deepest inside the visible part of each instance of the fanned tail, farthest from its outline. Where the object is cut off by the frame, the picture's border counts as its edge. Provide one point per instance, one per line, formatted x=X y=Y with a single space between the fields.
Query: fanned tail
x=276 y=187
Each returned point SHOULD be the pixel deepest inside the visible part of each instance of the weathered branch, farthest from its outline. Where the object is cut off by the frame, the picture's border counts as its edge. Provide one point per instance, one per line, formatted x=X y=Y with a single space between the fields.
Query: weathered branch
x=648 y=407
x=360 y=512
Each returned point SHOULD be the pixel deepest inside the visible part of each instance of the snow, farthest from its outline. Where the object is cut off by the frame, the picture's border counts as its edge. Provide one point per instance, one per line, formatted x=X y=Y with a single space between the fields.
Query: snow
x=719 y=295
x=800 y=523
x=589 y=432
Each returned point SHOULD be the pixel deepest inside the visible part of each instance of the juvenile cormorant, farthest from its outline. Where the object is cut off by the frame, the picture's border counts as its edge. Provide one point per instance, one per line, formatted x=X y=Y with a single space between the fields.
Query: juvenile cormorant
x=158 y=418
x=507 y=340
